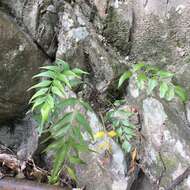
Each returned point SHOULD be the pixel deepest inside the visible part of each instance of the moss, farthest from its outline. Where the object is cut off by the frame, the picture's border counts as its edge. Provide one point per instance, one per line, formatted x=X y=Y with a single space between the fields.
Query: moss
x=171 y=165
x=116 y=32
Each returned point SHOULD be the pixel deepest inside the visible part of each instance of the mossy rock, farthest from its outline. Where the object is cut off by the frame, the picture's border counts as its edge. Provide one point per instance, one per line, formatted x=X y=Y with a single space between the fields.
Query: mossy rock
x=117 y=31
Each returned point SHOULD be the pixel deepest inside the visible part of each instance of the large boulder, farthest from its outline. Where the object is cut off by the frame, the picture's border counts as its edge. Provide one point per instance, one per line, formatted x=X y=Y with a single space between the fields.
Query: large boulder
x=39 y=18
x=81 y=45
x=161 y=37
x=19 y=59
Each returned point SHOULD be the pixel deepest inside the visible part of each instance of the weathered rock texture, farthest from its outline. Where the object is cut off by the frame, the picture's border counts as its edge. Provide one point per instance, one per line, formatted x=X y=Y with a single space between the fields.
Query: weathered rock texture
x=104 y=37
x=20 y=59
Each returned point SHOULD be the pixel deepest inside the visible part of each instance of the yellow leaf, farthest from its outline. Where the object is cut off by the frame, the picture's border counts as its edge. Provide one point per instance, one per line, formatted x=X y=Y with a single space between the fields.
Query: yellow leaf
x=112 y=133
x=134 y=154
x=105 y=145
x=99 y=134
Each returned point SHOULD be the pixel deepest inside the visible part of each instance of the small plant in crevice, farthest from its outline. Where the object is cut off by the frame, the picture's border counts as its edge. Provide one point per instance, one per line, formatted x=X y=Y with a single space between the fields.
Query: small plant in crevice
x=119 y=120
x=151 y=77
x=66 y=130
x=118 y=125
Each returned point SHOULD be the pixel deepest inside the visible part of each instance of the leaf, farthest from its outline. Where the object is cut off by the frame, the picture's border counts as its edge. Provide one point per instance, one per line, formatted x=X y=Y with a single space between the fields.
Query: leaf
x=152 y=69
x=134 y=155
x=50 y=101
x=45 y=112
x=81 y=147
x=58 y=84
x=51 y=67
x=181 y=93
x=59 y=159
x=126 y=75
x=152 y=83
x=66 y=119
x=126 y=146
x=70 y=73
x=79 y=71
x=75 y=160
x=39 y=93
x=119 y=131
x=77 y=134
x=112 y=134
x=48 y=74
x=44 y=83
x=138 y=67
x=99 y=134
x=165 y=74
x=129 y=131
x=61 y=132
x=68 y=102
x=38 y=102
x=81 y=119
x=86 y=105
x=56 y=91
x=163 y=89
x=119 y=102
x=63 y=78
x=75 y=82
x=125 y=122
x=141 y=78
x=170 y=93
x=71 y=173
x=62 y=63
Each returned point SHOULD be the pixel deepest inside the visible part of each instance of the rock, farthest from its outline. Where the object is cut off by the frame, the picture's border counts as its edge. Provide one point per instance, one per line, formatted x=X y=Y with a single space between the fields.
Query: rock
x=22 y=137
x=80 y=45
x=20 y=59
x=104 y=169
x=118 y=28
x=39 y=19
x=162 y=132
x=142 y=183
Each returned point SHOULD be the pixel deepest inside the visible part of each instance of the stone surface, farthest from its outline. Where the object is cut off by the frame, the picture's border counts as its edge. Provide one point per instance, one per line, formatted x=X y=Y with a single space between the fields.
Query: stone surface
x=20 y=59
x=82 y=47
x=38 y=18
x=118 y=28
x=162 y=130
x=103 y=37
x=21 y=137
x=105 y=169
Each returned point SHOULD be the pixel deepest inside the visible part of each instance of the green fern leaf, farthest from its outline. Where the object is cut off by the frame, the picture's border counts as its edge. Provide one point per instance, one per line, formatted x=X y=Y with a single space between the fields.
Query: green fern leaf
x=48 y=74
x=124 y=77
x=57 y=91
x=181 y=93
x=83 y=122
x=41 y=92
x=44 y=83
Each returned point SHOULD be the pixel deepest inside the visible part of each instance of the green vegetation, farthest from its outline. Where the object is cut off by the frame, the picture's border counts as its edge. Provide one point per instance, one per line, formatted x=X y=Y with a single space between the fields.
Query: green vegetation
x=61 y=117
x=152 y=77
x=119 y=120
x=48 y=101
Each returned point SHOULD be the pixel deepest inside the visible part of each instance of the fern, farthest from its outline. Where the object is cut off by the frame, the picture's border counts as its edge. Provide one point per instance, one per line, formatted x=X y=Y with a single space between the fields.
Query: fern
x=49 y=98
x=152 y=77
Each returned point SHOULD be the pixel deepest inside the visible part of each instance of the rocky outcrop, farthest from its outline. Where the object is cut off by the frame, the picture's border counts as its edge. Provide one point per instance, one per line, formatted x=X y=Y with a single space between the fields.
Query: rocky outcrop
x=161 y=38
x=20 y=59
x=104 y=37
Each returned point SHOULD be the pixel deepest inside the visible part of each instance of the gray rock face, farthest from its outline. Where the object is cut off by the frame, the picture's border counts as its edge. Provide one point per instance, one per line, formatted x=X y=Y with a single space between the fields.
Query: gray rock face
x=103 y=170
x=21 y=138
x=163 y=145
x=103 y=41
x=39 y=18
x=19 y=59
x=81 y=46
